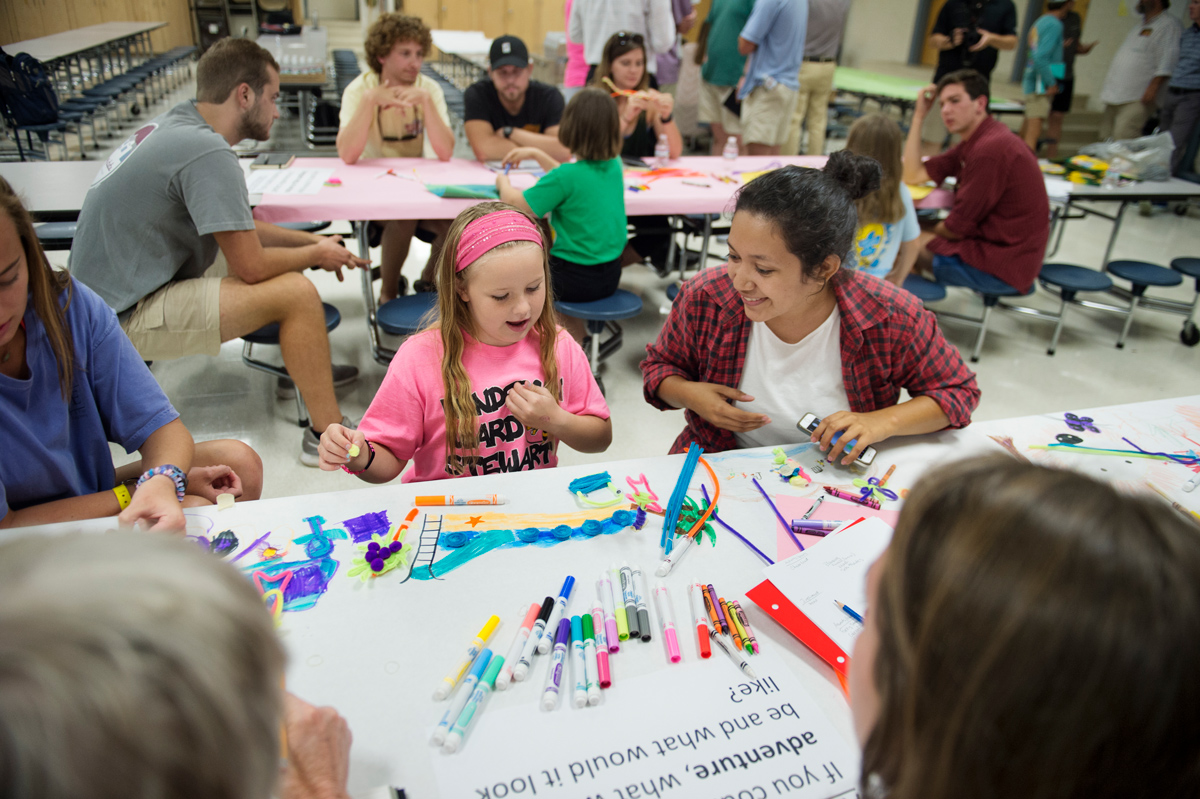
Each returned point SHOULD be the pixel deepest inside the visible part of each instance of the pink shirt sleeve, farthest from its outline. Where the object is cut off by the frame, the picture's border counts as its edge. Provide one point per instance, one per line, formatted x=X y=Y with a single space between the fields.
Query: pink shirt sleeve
x=581 y=395
x=399 y=416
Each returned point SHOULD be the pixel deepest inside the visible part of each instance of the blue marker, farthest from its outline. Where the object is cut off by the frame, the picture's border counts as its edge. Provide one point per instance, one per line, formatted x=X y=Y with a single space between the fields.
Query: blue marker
x=560 y=608
x=474 y=706
x=464 y=694
x=558 y=664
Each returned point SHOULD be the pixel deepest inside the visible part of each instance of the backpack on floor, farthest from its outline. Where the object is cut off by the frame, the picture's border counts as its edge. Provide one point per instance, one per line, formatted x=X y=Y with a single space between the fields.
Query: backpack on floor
x=27 y=90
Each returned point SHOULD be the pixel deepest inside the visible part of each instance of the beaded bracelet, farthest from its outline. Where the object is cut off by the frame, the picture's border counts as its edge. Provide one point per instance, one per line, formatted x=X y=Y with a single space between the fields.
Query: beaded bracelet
x=370 y=460
x=169 y=470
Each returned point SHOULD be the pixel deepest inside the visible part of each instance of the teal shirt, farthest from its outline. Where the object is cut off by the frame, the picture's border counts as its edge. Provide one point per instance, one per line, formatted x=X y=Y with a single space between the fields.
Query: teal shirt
x=724 y=64
x=586 y=201
x=1045 y=62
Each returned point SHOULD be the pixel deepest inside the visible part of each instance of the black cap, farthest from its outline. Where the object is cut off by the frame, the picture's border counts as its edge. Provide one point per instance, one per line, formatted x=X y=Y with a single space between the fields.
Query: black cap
x=508 y=51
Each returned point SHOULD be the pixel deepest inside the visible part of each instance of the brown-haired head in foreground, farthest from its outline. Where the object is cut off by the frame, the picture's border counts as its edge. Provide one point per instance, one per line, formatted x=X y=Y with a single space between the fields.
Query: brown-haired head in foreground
x=879 y=137
x=391 y=28
x=46 y=287
x=228 y=64
x=591 y=126
x=1038 y=637
x=973 y=83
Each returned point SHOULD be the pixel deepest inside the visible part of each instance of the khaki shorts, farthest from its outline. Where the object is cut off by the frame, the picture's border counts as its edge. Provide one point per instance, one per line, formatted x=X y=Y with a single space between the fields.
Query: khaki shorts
x=767 y=115
x=712 y=108
x=181 y=318
x=1037 y=106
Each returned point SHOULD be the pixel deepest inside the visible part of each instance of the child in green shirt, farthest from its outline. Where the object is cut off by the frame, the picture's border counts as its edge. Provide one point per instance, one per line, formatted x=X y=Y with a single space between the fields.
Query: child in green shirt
x=586 y=200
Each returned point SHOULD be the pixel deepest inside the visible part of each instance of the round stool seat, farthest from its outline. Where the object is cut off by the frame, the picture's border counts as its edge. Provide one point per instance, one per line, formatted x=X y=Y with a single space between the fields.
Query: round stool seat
x=621 y=305
x=672 y=291
x=404 y=316
x=925 y=290
x=269 y=334
x=307 y=227
x=52 y=233
x=1140 y=273
x=1188 y=266
x=1071 y=278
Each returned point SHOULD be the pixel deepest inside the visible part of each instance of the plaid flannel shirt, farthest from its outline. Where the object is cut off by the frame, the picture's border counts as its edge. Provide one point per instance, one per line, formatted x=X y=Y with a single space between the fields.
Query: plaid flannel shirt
x=888 y=340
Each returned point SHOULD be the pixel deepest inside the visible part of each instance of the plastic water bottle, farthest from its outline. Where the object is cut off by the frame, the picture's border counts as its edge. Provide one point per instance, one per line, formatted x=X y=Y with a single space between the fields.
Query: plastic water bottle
x=730 y=153
x=662 y=151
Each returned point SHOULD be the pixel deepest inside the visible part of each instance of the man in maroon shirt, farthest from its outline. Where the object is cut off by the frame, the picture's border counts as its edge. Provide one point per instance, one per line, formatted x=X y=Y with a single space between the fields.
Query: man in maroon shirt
x=995 y=236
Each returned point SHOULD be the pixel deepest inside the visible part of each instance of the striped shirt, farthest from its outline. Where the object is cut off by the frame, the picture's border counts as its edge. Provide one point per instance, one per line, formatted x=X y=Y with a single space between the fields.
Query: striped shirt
x=1151 y=49
x=1187 y=72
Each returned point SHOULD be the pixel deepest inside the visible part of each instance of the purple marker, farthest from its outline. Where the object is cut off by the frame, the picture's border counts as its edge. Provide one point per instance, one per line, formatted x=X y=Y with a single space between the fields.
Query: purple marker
x=815 y=526
x=558 y=662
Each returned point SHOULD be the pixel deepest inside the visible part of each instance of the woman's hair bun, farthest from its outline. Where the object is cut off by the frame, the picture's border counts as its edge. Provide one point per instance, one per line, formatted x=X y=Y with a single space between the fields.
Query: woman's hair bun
x=859 y=175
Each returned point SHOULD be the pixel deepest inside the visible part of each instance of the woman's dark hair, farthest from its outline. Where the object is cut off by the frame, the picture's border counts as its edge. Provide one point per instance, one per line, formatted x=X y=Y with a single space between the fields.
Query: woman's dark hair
x=1039 y=637
x=813 y=209
x=591 y=126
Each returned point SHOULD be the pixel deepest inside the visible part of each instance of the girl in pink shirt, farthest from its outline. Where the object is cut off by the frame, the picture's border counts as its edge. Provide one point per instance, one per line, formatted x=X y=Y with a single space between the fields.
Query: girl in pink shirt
x=493 y=384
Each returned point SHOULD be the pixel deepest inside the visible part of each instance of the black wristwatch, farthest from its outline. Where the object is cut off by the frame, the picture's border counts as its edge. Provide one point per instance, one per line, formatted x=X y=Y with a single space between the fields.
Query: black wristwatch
x=507 y=131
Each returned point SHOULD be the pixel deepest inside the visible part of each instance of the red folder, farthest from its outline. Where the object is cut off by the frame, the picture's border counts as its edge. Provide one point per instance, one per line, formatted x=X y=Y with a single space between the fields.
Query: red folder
x=768 y=597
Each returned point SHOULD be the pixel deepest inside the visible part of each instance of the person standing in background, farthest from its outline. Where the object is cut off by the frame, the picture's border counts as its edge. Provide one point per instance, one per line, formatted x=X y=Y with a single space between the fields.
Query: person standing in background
x=668 y=62
x=722 y=67
x=1043 y=70
x=592 y=22
x=1181 y=106
x=826 y=19
x=1139 y=69
x=1060 y=106
x=575 y=75
x=774 y=36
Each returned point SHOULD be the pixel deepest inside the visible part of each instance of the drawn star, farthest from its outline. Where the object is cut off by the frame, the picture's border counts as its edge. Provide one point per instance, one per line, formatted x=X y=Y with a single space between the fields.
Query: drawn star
x=475 y=520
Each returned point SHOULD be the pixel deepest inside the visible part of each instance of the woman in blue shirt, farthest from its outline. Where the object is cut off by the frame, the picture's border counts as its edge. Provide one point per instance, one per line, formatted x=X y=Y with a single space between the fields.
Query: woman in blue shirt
x=70 y=382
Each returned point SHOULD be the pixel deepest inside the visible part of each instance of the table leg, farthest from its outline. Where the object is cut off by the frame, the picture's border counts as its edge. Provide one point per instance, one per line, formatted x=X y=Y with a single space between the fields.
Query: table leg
x=1112 y=239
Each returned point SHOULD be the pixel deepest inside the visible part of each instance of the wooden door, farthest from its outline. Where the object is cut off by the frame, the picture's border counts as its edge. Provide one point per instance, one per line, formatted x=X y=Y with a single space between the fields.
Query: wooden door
x=459 y=15
x=929 y=53
x=523 y=19
x=426 y=10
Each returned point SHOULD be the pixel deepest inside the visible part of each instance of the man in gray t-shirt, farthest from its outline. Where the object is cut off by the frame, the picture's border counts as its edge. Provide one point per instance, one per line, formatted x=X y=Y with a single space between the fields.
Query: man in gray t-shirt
x=172 y=198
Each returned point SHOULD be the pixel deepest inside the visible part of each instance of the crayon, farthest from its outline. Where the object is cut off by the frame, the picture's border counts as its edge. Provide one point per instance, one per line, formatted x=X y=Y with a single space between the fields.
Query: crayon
x=708 y=605
x=558 y=664
x=460 y=699
x=712 y=595
x=451 y=679
x=474 y=706
x=559 y=612
x=666 y=617
x=735 y=621
x=701 y=622
x=518 y=645
x=745 y=620
x=867 y=501
x=733 y=630
x=535 y=635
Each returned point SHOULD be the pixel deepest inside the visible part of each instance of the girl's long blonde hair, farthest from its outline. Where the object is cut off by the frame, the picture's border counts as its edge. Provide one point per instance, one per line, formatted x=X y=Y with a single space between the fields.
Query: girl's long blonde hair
x=878 y=137
x=454 y=316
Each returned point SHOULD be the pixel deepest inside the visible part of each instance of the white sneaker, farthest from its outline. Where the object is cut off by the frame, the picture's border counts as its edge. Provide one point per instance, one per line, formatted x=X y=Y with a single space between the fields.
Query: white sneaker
x=310 y=444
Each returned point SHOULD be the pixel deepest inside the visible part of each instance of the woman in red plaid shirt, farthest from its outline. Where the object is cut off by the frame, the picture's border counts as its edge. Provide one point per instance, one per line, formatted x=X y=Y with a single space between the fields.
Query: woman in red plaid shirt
x=784 y=330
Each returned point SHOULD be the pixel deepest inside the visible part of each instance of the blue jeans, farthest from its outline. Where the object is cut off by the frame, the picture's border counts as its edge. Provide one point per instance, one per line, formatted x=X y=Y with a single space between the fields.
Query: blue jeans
x=950 y=270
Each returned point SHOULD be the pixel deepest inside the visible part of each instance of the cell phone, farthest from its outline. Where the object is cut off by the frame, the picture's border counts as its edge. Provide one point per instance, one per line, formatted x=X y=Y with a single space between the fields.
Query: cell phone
x=809 y=422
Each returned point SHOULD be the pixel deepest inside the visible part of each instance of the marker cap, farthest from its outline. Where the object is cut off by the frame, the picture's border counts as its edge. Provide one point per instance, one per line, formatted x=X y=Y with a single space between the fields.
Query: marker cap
x=577 y=628
x=489 y=676
x=586 y=626
x=568 y=584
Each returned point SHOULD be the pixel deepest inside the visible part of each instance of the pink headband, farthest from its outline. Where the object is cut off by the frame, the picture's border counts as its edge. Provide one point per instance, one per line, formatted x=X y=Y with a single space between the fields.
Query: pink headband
x=488 y=232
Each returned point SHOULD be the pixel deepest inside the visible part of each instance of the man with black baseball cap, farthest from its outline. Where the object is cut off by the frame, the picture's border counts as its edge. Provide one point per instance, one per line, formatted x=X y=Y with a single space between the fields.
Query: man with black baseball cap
x=509 y=110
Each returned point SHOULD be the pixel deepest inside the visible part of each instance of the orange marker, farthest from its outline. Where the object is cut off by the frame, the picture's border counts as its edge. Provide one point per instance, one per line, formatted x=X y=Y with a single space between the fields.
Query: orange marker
x=701 y=624
x=449 y=499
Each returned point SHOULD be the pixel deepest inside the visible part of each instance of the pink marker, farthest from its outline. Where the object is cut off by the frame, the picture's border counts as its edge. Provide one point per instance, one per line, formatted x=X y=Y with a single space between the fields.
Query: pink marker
x=666 y=615
x=601 y=645
x=518 y=644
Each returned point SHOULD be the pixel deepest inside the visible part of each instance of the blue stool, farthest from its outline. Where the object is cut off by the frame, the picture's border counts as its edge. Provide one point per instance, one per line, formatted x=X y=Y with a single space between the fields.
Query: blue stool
x=1069 y=279
x=601 y=315
x=56 y=235
x=1190 y=267
x=402 y=316
x=269 y=334
x=925 y=290
x=1142 y=275
x=672 y=291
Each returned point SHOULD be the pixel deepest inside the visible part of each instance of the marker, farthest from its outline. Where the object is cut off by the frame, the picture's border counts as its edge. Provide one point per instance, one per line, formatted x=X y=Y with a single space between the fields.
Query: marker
x=745 y=620
x=450 y=499
x=559 y=612
x=733 y=630
x=701 y=622
x=474 y=706
x=868 y=501
x=712 y=596
x=666 y=617
x=640 y=595
x=627 y=593
x=518 y=646
x=602 y=672
x=591 y=663
x=681 y=545
x=708 y=605
x=461 y=698
x=611 y=623
x=741 y=631
x=506 y=168
x=816 y=526
x=735 y=656
x=849 y=611
x=451 y=679
x=579 y=663
x=558 y=662
x=1188 y=487
x=535 y=635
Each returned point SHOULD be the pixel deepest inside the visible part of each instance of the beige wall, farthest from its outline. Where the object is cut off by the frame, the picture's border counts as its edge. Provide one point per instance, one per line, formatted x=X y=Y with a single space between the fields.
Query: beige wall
x=29 y=19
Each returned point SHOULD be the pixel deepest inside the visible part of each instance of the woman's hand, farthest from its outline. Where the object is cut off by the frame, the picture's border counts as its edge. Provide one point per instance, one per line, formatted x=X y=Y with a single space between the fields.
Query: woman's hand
x=210 y=481
x=534 y=406
x=711 y=401
x=863 y=429
x=334 y=450
x=664 y=102
x=318 y=751
x=155 y=506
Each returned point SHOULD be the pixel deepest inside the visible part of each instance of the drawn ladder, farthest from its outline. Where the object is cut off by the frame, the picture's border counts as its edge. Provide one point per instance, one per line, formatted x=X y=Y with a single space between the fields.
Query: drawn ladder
x=427 y=546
